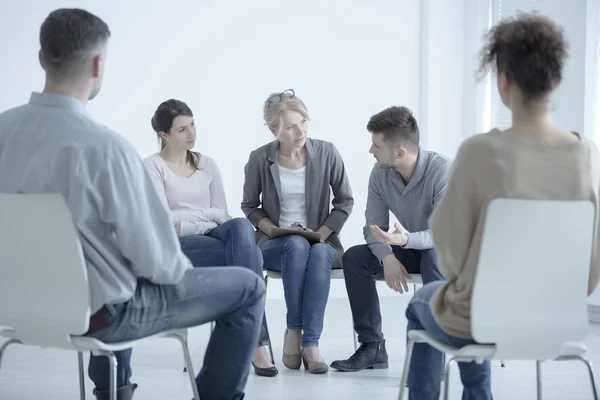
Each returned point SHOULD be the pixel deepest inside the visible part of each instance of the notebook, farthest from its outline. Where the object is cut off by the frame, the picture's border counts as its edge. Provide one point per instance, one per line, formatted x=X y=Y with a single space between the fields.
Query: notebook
x=309 y=235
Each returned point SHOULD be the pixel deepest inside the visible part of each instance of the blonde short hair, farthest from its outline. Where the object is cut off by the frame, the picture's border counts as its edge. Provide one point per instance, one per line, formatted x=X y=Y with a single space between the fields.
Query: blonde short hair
x=272 y=112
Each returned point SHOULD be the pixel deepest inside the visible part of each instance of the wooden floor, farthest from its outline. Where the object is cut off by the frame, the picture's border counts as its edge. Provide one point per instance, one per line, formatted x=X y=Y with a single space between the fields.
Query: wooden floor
x=34 y=374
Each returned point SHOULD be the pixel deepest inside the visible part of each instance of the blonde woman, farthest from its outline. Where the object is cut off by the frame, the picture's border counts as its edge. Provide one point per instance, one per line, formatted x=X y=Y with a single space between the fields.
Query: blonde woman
x=288 y=183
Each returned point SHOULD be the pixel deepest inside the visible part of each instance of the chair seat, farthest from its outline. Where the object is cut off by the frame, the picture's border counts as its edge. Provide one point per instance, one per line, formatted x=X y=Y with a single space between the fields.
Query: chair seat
x=480 y=351
x=573 y=349
x=84 y=343
x=338 y=273
x=485 y=351
x=415 y=279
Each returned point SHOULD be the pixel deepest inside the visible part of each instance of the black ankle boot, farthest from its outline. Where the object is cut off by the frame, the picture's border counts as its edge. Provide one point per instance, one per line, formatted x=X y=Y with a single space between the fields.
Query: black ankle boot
x=124 y=393
x=368 y=356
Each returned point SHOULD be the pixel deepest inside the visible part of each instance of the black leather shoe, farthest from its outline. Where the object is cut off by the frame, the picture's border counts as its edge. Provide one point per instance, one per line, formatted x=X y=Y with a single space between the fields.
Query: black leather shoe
x=124 y=393
x=269 y=372
x=368 y=356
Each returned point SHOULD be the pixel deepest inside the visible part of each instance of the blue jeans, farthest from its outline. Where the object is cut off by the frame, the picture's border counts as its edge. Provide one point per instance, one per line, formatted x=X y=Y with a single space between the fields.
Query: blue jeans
x=426 y=362
x=229 y=244
x=233 y=297
x=306 y=275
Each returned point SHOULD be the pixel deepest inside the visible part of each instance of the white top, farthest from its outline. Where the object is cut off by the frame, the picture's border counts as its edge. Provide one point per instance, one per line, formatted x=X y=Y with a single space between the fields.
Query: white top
x=293 y=198
x=198 y=201
x=52 y=145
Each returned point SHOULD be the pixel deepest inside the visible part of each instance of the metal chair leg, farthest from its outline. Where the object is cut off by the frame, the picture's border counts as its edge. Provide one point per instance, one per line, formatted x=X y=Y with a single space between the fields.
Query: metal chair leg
x=190 y=366
x=444 y=367
x=590 y=369
x=4 y=346
x=409 y=349
x=447 y=380
x=81 y=375
x=267 y=327
x=270 y=345
x=112 y=361
x=185 y=337
x=538 y=378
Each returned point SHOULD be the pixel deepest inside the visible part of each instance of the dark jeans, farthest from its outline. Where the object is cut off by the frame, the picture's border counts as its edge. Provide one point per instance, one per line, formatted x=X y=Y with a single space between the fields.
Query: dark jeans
x=306 y=275
x=229 y=244
x=426 y=363
x=233 y=297
x=360 y=269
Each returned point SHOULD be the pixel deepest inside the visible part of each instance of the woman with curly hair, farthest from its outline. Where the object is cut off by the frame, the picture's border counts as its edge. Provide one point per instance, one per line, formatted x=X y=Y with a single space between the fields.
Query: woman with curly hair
x=533 y=159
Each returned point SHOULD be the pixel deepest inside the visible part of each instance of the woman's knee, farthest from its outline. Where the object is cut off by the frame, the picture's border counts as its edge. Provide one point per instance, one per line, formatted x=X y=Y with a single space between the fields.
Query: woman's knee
x=323 y=255
x=424 y=294
x=295 y=244
x=242 y=226
x=422 y=297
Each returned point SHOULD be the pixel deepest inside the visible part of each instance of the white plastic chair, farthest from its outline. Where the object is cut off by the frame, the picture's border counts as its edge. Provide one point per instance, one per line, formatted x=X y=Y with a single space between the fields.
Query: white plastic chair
x=541 y=315
x=44 y=292
x=339 y=274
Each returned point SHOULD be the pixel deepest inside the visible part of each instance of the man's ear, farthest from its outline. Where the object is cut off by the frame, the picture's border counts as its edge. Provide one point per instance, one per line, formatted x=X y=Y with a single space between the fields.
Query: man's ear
x=97 y=65
x=400 y=152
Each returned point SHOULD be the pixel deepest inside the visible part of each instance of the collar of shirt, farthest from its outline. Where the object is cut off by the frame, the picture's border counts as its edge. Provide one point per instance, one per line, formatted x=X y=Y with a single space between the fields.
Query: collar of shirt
x=59 y=101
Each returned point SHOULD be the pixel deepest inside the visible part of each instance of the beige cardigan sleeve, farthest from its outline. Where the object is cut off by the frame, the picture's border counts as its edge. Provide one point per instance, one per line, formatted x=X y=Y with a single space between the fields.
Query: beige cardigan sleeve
x=454 y=220
x=595 y=266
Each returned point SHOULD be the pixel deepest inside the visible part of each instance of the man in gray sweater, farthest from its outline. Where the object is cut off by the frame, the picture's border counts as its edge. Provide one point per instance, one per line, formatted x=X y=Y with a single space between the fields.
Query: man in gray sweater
x=409 y=182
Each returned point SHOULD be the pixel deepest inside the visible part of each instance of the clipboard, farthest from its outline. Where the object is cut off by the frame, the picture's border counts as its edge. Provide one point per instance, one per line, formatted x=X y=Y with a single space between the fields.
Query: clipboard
x=314 y=237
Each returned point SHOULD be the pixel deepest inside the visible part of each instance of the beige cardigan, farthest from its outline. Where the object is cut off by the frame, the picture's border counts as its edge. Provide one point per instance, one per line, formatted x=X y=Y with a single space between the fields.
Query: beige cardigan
x=493 y=165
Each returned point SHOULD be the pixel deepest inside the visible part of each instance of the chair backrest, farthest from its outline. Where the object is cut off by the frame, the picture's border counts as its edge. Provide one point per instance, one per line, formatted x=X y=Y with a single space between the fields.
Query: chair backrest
x=44 y=293
x=530 y=290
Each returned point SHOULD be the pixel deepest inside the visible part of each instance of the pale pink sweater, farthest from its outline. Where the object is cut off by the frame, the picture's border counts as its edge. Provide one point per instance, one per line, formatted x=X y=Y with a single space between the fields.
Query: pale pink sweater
x=198 y=201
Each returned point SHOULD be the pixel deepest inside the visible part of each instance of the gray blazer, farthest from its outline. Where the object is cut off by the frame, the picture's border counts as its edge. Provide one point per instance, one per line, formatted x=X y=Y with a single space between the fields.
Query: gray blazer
x=324 y=171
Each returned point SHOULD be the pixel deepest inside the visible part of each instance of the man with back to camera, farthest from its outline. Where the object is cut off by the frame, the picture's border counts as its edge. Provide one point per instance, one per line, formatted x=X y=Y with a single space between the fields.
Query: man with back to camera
x=409 y=182
x=140 y=281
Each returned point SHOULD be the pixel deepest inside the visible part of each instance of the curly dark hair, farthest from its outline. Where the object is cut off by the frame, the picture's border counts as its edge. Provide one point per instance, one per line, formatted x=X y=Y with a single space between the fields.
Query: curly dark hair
x=67 y=38
x=530 y=49
x=398 y=125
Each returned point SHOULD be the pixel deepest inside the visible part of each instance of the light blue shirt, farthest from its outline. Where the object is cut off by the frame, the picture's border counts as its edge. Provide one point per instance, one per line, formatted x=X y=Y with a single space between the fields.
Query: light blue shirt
x=52 y=145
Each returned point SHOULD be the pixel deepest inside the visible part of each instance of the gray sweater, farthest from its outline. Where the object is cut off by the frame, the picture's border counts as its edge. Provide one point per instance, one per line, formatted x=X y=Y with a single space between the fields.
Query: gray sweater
x=411 y=204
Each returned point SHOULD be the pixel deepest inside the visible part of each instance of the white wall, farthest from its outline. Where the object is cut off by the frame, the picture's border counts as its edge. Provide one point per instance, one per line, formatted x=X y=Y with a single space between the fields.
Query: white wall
x=346 y=60
x=569 y=99
x=453 y=100
x=443 y=62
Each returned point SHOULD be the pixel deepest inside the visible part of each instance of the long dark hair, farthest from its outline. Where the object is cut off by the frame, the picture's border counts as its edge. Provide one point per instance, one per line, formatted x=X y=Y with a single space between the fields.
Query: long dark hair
x=162 y=121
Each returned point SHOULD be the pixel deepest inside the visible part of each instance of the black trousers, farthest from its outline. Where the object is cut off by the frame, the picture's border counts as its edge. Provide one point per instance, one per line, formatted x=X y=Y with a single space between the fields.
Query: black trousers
x=360 y=269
